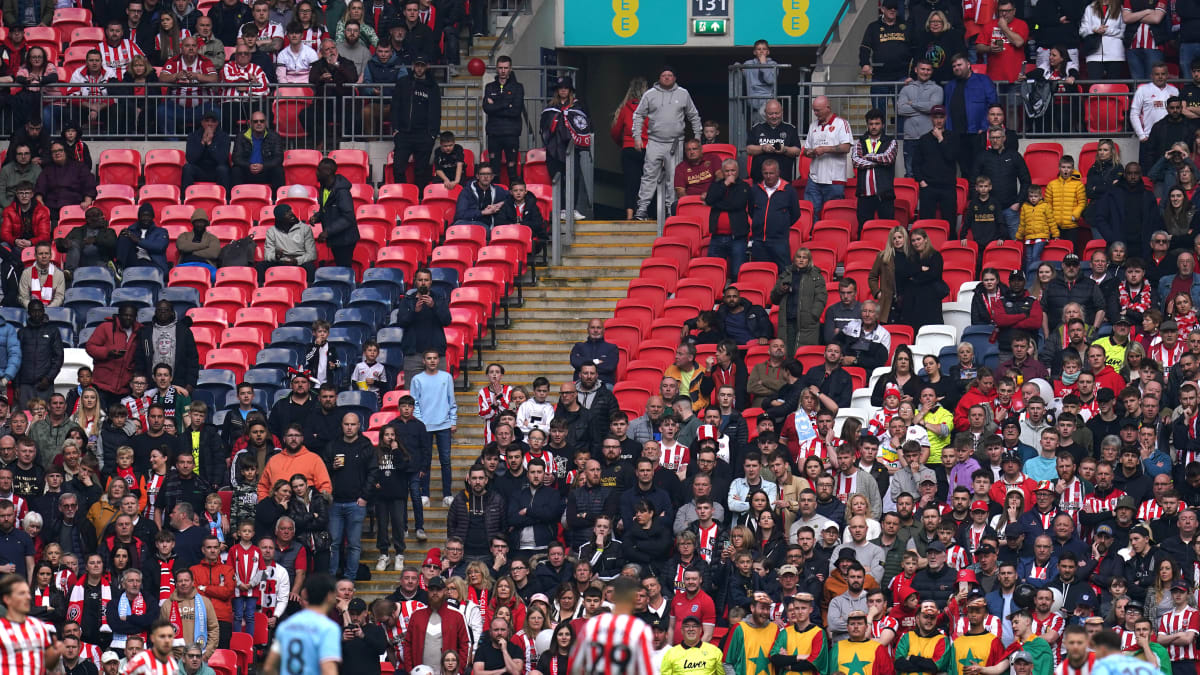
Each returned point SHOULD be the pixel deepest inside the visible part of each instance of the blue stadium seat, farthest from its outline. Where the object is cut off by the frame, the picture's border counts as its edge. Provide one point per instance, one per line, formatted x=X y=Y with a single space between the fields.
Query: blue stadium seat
x=278 y=357
x=280 y=395
x=335 y=277
x=82 y=338
x=444 y=279
x=388 y=279
x=82 y=299
x=143 y=276
x=356 y=316
x=362 y=403
x=267 y=378
x=291 y=336
x=138 y=295
x=327 y=298
x=390 y=336
x=261 y=399
x=947 y=357
x=94 y=277
x=218 y=418
x=145 y=315
x=14 y=315
x=374 y=299
x=208 y=396
x=67 y=335
x=95 y=316
x=182 y=297
x=392 y=356
x=304 y=316
x=216 y=382
x=980 y=338
x=61 y=317
x=352 y=335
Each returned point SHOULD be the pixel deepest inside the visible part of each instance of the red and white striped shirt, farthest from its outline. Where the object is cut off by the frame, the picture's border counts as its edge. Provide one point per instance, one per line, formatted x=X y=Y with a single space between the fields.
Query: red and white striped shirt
x=118 y=57
x=90 y=652
x=1128 y=638
x=990 y=623
x=1167 y=356
x=1054 y=622
x=818 y=448
x=246 y=563
x=1098 y=504
x=1071 y=499
x=490 y=404
x=613 y=644
x=313 y=37
x=404 y=612
x=146 y=664
x=22 y=646
x=272 y=30
x=1152 y=510
x=545 y=455
x=674 y=456
x=250 y=74
x=1144 y=39
x=707 y=542
x=20 y=506
x=525 y=644
x=1065 y=668
x=138 y=407
x=957 y=558
x=188 y=97
x=1177 y=621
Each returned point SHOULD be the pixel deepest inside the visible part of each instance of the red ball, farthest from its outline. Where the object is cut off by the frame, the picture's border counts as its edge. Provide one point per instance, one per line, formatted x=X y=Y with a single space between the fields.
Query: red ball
x=476 y=67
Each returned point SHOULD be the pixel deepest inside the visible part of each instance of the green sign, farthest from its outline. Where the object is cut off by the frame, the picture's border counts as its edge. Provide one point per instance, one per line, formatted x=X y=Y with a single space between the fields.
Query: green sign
x=709 y=26
x=602 y=23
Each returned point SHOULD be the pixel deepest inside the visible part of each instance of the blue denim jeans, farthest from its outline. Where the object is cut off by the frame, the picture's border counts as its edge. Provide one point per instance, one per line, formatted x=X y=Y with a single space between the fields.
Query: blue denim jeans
x=1141 y=61
x=346 y=518
x=818 y=194
x=414 y=491
x=909 y=148
x=1011 y=220
x=725 y=247
x=442 y=440
x=243 y=614
x=1033 y=256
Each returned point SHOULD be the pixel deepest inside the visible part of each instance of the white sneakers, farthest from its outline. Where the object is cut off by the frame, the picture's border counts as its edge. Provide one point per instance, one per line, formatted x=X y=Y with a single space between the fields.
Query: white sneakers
x=383 y=562
x=448 y=501
x=562 y=215
x=421 y=535
x=425 y=501
x=399 y=563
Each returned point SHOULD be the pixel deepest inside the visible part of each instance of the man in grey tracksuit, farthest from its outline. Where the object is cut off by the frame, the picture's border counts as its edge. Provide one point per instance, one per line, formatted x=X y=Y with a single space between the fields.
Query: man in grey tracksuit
x=666 y=107
x=914 y=105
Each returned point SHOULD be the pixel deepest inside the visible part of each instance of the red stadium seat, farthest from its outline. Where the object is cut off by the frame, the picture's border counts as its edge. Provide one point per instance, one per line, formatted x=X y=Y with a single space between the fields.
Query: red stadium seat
x=227 y=298
x=686 y=229
x=676 y=249
x=300 y=167
x=289 y=103
x=109 y=195
x=245 y=339
x=397 y=197
x=179 y=215
x=242 y=644
x=159 y=197
x=231 y=215
x=454 y=256
x=86 y=37
x=294 y=279
x=123 y=216
x=245 y=278
x=355 y=165
x=253 y=197
x=262 y=319
x=207 y=196
x=835 y=233
x=43 y=36
x=1106 y=108
x=723 y=150
x=224 y=662
x=404 y=257
x=362 y=194
x=506 y=256
x=434 y=218
x=165 y=166
x=1042 y=160
x=445 y=201
x=68 y=19
x=1086 y=158
x=519 y=235
x=233 y=360
x=75 y=57
x=473 y=235
x=1056 y=250
x=840 y=209
x=117 y=166
x=374 y=214
x=495 y=278
x=479 y=297
x=413 y=234
x=302 y=206
x=906 y=188
x=278 y=299
x=536 y=170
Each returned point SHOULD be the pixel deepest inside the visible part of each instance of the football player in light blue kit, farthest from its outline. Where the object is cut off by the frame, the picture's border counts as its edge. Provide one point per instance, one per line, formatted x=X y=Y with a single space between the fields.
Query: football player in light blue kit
x=308 y=643
x=1111 y=661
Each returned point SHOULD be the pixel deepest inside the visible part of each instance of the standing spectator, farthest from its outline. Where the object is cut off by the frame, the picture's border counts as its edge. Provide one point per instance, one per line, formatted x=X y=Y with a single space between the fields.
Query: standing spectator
x=258 y=153
x=335 y=213
x=596 y=351
x=207 y=154
x=564 y=123
x=1127 y=212
x=1188 y=15
x=759 y=78
x=437 y=408
x=933 y=158
x=384 y=68
x=228 y=17
x=632 y=158
x=416 y=119
x=113 y=346
x=1055 y=25
x=1010 y=177
x=215 y=581
x=914 y=105
x=667 y=108
x=828 y=142
x=1168 y=132
x=1147 y=29
x=533 y=513
x=353 y=465
x=874 y=158
x=247 y=88
x=193 y=69
x=38 y=354
x=419 y=40
x=884 y=54
x=936 y=42
x=43 y=279
x=1071 y=288
x=697 y=171
x=92 y=243
x=1004 y=42
x=481 y=200
x=423 y=313
x=12 y=174
x=774 y=206
x=329 y=77
x=168 y=340
x=1148 y=107
x=1102 y=29
x=921 y=272
x=728 y=222
x=800 y=294
x=64 y=182
x=354 y=45
x=967 y=98
x=504 y=103
x=773 y=138
x=270 y=34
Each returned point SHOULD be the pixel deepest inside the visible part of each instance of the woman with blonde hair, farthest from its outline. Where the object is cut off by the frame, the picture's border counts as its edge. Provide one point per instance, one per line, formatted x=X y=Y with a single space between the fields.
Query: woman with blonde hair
x=479 y=583
x=882 y=278
x=937 y=43
x=858 y=505
x=621 y=131
x=89 y=415
x=456 y=589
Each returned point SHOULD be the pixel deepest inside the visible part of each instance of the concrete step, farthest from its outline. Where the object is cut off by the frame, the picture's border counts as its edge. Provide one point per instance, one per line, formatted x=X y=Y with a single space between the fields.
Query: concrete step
x=620 y=227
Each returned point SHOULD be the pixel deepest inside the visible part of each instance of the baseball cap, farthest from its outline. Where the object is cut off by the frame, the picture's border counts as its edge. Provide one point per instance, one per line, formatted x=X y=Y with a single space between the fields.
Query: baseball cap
x=1044 y=486
x=1086 y=598
x=936 y=546
x=1070 y=259
x=938 y=110
x=788 y=569
x=1011 y=456
x=832 y=526
x=357 y=605
x=539 y=597
x=1105 y=530
x=927 y=479
x=691 y=618
x=1020 y=656
x=109 y=656
x=436 y=582
x=1122 y=320
x=1140 y=529
x=979 y=505
x=985 y=549
x=420 y=58
x=1135 y=606
x=1012 y=530
x=1016 y=274
x=967 y=575
x=1179 y=585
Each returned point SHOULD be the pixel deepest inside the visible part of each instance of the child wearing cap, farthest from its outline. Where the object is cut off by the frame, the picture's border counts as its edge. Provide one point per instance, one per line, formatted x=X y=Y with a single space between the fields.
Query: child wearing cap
x=891 y=405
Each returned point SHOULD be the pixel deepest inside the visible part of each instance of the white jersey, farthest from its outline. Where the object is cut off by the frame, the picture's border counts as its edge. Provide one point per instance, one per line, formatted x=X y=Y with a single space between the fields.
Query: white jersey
x=613 y=644
x=23 y=646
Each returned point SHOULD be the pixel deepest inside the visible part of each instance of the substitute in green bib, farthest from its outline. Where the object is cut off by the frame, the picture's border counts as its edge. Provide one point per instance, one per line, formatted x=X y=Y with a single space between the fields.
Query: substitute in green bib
x=859 y=654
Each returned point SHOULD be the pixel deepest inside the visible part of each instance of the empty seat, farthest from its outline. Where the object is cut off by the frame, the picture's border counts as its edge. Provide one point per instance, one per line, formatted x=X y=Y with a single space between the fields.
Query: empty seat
x=138 y=296
x=300 y=167
x=165 y=166
x=355 y=165
x=118 y=166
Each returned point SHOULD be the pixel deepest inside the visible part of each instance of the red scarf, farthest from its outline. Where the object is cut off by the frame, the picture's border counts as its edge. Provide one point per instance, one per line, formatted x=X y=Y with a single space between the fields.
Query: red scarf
x=75 y=604
x=38 y=287
x=1141 y=303
x=153 y=483
x=41 y=598
x=166 y=579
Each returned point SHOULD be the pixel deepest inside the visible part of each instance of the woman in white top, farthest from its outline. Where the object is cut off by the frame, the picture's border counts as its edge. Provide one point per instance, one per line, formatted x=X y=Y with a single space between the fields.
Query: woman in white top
x=1104 y=58
x=456 y=590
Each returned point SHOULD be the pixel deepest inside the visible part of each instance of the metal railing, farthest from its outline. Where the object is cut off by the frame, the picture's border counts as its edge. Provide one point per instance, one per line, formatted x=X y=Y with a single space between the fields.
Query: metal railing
x=519 y=8
x=742 y=107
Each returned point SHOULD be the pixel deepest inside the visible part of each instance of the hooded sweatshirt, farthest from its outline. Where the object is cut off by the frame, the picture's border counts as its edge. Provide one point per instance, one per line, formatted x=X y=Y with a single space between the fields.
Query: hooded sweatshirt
x=667 y=110
x=294 y=241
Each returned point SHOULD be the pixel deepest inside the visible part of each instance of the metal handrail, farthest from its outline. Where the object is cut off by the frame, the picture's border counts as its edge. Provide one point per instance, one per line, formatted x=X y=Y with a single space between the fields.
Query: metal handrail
x=832 y=33
x=506 y=33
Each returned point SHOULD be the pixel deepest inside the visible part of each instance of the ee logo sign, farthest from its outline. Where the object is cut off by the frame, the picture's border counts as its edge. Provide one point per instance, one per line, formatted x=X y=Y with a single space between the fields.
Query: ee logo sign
x=795 y=17
x=625 y=20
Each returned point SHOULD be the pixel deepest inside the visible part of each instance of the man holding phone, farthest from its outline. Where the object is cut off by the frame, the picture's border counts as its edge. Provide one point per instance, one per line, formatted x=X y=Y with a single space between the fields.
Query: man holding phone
x=112 y=348
x=362 y=640
x=773 y=138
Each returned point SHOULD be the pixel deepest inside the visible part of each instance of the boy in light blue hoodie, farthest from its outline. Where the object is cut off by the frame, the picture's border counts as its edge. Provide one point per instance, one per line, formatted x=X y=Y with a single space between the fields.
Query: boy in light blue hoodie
x=437 y=409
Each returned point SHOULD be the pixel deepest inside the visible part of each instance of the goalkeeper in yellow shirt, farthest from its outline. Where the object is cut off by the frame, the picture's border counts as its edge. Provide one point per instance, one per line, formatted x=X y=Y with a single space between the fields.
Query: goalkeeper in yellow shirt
x=693 y=656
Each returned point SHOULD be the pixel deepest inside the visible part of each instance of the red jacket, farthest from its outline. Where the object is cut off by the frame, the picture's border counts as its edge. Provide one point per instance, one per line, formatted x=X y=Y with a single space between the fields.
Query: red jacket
x=113 y=374
x=1031 y=322
x=972 y=397
x=10 y=230
x=1109 y=379
x=454 y=636
x=217 y=582
x=622 y=129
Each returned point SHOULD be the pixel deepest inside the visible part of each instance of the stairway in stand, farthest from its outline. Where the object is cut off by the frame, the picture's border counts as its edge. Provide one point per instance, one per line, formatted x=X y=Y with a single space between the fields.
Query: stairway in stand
x=594 y=275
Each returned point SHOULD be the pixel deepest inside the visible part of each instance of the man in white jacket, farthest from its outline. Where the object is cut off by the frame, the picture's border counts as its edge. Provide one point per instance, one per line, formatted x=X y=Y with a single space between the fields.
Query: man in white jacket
x=1149 y=106
x=666 y=107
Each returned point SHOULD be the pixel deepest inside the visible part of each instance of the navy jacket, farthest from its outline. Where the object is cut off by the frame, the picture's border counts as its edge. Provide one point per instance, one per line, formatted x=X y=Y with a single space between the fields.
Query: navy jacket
x=589 y=350
x=772 y=217
x=468 y=210
x=542 y=512
x=337 y=214
x=425 y=329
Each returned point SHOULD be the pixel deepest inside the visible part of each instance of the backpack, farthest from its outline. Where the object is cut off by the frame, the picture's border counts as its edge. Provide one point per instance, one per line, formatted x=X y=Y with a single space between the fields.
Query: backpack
x=239 y=253
x=1036 y=95
x=580 y=126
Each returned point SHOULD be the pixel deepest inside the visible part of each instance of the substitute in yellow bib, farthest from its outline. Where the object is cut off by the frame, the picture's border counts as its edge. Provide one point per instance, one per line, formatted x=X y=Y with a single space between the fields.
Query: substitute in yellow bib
x=800 y=647
x=693 y=656
x=859 y=654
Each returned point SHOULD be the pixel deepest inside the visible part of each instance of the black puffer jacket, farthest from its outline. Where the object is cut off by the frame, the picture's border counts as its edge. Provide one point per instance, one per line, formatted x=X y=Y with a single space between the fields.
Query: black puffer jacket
x=459 y=519
x=41 y=353
x=606 y=564
x=337 y=215
x=505 y=106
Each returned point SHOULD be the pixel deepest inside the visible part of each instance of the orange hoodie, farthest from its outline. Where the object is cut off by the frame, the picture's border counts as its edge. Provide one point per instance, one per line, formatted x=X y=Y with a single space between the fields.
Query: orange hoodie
x=283 y=466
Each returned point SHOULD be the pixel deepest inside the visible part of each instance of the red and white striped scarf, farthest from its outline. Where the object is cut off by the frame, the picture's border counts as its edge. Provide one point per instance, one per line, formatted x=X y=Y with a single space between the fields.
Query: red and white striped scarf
x=153 y=483
x=64 y=579
x=1140 y=303
x=42 y=287
x=166 y=579
x=75 y=603
x=707 y=542
x=525 y=642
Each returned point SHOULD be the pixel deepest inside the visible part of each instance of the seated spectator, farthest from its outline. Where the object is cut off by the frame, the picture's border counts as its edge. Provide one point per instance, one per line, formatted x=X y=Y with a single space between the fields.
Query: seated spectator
x=26 y=221
x=210 y=47
x=289 y=242
x=294 y=63
x=94 y=105
x=64 y=182
x=77 y=149
x=258 y=153
x=199 y=245
x=168 y=39
x=89 y=244
x=43 y=279
x=187 y=67
x=33 y=134
x=520 y=208
x=34 y=73
x=865 y=342
x=207 y=154
x=354 y=44
x=185 y=13
x=480 y=201
x=696 y=172
x=1168 y=166
x=311 y=26
x=118 y=50
x=248 y=86
x=144 y=243
x=229 y=17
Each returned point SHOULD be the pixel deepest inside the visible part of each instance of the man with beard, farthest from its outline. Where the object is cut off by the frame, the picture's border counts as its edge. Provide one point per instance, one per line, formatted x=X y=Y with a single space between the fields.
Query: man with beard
x=752 y=639
x=300 y=407
x=854 y=598
x=1126 y=211
x=295 y=459
x=925 y=649
x=587 y=501
x=978 y=645
x=1000 y=600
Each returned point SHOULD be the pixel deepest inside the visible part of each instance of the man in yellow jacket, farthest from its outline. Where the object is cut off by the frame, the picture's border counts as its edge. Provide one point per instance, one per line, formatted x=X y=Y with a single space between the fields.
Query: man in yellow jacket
x=1067 y=197
x=693 y=656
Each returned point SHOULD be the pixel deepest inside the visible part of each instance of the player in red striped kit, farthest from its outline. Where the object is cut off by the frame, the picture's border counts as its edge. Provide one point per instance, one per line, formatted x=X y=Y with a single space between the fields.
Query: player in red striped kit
x=26 y=647
x=616 y=643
